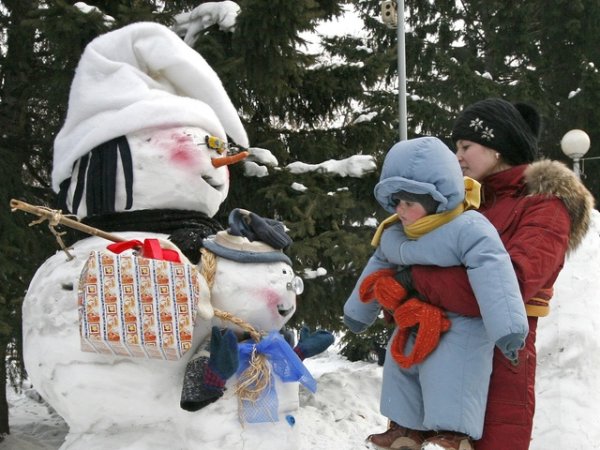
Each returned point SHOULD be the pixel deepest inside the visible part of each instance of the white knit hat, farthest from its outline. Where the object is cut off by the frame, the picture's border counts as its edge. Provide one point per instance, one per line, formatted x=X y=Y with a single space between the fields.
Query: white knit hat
x=137 y=77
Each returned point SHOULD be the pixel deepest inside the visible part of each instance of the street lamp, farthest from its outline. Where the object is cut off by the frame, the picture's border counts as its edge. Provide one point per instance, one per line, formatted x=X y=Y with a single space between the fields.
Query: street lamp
x=575 y=144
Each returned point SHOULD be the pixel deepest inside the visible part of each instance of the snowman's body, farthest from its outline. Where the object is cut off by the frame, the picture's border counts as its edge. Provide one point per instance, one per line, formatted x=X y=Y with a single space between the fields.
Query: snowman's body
x=125 y=395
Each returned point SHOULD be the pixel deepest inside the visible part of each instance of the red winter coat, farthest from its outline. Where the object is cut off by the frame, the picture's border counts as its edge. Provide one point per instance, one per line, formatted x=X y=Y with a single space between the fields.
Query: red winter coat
x=541 y=212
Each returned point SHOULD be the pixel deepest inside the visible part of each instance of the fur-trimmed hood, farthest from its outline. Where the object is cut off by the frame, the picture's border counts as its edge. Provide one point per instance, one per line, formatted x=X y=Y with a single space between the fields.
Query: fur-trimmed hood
x=546 y=177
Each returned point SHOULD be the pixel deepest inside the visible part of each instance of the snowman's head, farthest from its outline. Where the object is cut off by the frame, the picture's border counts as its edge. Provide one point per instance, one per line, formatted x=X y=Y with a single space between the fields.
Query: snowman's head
x=250 y=276
x=156 y=168
x=262 y=294
x=140 y=107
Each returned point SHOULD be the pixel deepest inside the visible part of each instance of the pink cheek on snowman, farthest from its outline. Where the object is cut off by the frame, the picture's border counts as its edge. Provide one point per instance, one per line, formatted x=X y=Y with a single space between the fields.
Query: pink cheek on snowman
x=183 y=151
x=272 y=299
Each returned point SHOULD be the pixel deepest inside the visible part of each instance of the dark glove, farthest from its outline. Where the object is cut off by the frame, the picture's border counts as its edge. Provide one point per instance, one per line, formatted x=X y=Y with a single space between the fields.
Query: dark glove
x=205 y=377
x=311 y=344
x=404 y=277
x=270 y=231
x=388 y=317
x=223 y=359
x=256 y=228
x=510 y=345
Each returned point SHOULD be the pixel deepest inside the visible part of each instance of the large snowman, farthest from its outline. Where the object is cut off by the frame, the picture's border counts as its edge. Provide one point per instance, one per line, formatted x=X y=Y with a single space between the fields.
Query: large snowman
x=143 y=153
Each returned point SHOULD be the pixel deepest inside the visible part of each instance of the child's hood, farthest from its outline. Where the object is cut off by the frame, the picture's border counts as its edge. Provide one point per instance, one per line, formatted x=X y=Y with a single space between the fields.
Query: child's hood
x=421 y=166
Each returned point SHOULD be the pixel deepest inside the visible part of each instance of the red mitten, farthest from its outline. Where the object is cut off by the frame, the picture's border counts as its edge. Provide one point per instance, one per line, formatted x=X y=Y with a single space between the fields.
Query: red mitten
x=389 y=293
x=383 y=287
x=366 y=291
x=432 y=322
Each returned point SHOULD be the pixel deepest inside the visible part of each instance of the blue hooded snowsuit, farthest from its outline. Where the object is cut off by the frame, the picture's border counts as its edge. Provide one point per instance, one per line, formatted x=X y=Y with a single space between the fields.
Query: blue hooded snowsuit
x=448 y=390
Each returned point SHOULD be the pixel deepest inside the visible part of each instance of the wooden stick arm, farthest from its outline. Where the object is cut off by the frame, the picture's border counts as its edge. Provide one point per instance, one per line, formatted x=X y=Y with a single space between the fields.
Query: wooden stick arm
x=56 y=217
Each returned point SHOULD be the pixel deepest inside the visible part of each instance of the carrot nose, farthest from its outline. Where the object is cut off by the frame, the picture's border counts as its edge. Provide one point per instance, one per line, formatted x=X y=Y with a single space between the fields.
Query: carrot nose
x=227 y=160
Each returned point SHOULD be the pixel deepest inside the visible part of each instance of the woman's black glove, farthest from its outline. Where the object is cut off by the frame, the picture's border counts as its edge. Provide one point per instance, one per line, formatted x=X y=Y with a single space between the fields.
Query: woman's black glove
x=404 y=277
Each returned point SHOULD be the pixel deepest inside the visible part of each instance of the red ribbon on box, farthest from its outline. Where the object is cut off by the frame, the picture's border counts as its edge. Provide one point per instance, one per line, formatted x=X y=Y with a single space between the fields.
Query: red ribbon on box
x=150 y=248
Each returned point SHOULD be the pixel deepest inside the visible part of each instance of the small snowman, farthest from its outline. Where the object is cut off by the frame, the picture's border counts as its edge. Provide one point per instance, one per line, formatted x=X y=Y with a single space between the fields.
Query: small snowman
x=250 y=278
x=143 y=153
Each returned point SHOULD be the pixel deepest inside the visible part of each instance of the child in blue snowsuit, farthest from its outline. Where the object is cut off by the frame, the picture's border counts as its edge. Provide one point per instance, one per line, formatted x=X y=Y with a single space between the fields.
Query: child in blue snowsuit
x=448 y=389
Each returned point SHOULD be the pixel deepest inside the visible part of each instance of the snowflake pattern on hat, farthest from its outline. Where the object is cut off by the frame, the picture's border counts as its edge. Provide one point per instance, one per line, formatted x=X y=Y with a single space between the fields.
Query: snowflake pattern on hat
x=486 y=132
x=476 y=124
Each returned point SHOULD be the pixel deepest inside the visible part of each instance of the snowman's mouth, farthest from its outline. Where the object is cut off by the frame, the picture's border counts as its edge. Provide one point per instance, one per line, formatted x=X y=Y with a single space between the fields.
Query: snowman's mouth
x=284 y=312
x=213 y=183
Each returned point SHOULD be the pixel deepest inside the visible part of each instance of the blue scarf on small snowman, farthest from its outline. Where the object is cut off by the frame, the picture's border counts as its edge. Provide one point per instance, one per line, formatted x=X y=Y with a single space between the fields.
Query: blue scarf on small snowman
x=258 y=397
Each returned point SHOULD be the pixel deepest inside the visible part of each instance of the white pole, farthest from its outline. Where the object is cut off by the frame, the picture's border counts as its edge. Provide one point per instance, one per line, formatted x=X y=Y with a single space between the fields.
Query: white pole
x=401 y=73
x=576 y=167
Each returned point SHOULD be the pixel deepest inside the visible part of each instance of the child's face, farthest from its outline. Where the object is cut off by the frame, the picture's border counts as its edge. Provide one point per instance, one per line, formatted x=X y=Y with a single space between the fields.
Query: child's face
x=409 y=212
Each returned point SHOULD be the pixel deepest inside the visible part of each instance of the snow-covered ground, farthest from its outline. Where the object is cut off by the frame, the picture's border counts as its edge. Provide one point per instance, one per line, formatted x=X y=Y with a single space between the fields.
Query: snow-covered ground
x=345 y=408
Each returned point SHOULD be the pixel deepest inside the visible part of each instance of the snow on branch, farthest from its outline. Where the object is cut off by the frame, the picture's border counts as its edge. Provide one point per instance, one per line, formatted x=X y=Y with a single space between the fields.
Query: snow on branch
x=355 y=166
x=189 y=24
x=87 y=9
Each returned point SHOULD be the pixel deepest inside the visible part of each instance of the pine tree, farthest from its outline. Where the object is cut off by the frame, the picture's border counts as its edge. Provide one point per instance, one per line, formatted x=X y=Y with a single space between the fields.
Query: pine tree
x=537 y=52
x=22 y=248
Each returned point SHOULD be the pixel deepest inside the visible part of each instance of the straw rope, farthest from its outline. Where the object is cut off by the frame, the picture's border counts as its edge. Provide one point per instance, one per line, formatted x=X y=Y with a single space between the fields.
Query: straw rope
x=208 y=266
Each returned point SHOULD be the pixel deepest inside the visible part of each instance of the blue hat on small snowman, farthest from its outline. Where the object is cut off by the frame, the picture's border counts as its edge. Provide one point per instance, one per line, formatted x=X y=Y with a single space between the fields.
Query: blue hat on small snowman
x=250 y=238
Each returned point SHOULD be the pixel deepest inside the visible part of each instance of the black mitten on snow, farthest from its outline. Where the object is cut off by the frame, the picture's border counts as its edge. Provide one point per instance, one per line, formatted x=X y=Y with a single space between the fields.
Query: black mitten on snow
x=205 y=376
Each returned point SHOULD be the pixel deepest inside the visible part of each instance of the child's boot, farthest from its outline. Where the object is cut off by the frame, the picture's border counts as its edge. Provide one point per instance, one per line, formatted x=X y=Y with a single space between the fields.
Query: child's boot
x=397 y=438
x=448 y=441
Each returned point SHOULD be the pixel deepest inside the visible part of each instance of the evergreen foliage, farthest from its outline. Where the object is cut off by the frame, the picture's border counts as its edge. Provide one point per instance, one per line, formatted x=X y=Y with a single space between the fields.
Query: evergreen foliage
x=302 y=103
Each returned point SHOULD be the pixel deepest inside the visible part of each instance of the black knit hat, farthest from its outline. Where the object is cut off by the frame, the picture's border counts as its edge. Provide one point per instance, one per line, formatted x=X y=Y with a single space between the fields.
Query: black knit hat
x=510 y=129
x=427 y=202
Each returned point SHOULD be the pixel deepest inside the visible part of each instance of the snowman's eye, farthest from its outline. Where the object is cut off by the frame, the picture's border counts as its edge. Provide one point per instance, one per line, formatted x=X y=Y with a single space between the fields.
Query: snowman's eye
x=284 y=271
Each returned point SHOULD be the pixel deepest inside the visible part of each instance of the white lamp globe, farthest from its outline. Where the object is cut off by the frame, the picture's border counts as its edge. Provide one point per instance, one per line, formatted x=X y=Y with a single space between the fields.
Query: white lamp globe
x=575 y=143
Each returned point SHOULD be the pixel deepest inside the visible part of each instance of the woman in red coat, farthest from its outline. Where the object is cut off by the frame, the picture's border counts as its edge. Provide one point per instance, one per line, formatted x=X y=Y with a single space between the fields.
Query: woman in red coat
x=542 y=212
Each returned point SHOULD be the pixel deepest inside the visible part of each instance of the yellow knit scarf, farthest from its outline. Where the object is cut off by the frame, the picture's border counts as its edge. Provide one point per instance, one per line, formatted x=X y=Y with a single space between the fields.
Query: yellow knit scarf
x=431 y=222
